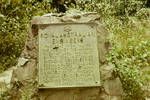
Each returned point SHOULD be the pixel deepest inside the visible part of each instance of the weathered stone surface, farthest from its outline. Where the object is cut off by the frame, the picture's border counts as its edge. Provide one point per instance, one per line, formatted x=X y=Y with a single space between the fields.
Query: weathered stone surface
x=5 y=80
x=25 y=78
x=113 y=87
x=21 y=61
x=147 y=98
x=105 y=96
x=70 y=94
x=106 y=71
x=28 y=72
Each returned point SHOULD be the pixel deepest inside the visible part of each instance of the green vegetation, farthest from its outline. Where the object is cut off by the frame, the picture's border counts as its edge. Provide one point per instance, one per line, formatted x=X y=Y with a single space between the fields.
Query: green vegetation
x=14 y=20
x=127 y=20
x=130 y=54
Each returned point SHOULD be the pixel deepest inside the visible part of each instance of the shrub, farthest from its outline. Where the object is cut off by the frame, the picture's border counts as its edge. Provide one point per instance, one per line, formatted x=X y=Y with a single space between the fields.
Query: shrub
x=129 y=54
x=14 y=20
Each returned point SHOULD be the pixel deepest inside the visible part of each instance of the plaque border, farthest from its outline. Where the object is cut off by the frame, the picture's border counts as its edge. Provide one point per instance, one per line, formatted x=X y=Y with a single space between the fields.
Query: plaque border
x=92 y=24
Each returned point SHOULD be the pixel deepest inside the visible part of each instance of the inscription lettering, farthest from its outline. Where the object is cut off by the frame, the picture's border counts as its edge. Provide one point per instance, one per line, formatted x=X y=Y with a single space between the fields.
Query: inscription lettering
x=68 y=58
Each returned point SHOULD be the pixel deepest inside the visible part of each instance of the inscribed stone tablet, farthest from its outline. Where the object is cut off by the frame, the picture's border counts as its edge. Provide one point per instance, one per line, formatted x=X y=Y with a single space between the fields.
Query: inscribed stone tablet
x=68 y=56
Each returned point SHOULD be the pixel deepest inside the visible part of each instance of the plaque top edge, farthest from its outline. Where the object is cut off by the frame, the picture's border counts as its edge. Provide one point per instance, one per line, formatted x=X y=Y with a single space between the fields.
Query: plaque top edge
x=54 y=87
x=66 y=23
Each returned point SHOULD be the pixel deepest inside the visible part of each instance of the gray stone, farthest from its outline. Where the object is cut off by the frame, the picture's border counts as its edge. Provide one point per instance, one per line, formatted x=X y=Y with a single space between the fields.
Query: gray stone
x=28 y=72
x=25 y=77
x=5 y=80
x=1 y=15
x=71 y=94
x=104 y=96
x=147 y=98
x=22 y=61
x=113 y=87
x=106 y=71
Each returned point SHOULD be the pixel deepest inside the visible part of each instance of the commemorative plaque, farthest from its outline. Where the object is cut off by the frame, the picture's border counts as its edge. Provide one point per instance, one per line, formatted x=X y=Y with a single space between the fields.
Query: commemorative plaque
x=68 y=55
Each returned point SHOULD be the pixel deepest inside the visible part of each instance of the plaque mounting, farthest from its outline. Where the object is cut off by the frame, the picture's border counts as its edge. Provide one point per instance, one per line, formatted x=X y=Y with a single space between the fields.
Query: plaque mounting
x=68 y=56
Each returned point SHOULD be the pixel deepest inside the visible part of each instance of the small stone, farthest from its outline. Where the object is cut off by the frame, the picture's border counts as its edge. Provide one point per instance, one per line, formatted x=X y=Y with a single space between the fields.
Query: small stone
x=104 y=96
x=147 y=98
x=5 y=80
x=106 y=71
x=25 y=73
x=113 y=87
x=22 y=61
x=2 y=16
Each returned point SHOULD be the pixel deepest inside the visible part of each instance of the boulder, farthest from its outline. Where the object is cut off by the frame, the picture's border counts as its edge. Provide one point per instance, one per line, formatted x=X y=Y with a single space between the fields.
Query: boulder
x=5 y=81
x=24 y=79
x=113 y=87
x=106 y=71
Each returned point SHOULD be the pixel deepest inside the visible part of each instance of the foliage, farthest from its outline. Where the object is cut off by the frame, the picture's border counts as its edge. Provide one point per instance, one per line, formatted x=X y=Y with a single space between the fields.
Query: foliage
x=112 y=7
x=14 y=20
x=4 y=96
x=130 y=53
x=143 y=13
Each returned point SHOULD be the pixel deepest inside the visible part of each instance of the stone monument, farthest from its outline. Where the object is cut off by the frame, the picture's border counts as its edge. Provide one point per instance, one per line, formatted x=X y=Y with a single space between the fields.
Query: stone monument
x=62 y=60
x=70 y=49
